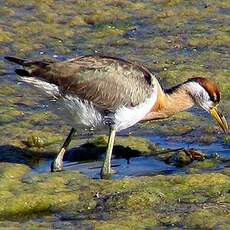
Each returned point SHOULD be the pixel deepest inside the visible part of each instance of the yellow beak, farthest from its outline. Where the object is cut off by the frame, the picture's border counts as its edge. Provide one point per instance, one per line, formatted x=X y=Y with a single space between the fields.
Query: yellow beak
x=219 y=118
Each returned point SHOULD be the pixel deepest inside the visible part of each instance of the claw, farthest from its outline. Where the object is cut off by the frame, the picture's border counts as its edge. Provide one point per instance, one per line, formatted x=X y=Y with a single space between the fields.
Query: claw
x=54 y=167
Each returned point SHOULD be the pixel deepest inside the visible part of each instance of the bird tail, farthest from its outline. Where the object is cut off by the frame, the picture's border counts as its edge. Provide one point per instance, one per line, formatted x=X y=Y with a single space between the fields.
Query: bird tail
x=15 y=60
x=19 y=61
x=29 y=66
x=36 y=73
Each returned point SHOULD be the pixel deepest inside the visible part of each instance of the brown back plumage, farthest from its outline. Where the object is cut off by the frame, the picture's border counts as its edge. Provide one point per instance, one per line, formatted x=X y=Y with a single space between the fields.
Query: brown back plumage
x=108 y=82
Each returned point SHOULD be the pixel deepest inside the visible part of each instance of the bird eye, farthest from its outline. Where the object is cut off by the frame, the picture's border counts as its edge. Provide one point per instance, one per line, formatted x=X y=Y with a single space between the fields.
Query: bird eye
x=213 y=98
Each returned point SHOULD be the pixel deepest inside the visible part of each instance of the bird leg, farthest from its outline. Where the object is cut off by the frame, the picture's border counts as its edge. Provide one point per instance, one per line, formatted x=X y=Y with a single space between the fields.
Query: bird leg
x=106 y=168
x=57 y=164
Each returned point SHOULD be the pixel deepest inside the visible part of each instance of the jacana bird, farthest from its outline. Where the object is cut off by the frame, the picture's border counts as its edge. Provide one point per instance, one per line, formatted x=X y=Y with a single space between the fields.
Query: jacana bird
x=101 y=91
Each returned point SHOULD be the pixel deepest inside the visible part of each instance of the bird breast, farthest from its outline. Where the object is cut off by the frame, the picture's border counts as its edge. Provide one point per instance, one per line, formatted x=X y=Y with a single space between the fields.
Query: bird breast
x=86 y=113
x=126 y=117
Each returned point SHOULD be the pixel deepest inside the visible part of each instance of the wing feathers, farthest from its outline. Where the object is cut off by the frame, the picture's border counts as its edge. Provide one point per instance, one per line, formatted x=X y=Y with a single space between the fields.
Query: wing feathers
x=108 y=82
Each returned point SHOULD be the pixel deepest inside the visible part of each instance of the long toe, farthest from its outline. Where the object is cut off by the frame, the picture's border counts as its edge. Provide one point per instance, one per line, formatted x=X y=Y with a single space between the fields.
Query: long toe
x=107 y=174
x=113 y=171
x=54 y=167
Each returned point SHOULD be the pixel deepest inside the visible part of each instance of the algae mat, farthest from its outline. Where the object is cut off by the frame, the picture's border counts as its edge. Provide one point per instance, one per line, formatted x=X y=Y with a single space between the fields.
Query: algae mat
x=70 y=200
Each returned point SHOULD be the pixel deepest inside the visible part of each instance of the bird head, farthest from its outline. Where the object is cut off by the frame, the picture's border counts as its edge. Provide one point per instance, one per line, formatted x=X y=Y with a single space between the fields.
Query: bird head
x=206 y=94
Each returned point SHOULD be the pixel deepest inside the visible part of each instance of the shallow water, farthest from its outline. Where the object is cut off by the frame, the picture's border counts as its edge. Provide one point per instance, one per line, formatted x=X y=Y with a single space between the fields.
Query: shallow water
x=143 y=165
x=137 y=166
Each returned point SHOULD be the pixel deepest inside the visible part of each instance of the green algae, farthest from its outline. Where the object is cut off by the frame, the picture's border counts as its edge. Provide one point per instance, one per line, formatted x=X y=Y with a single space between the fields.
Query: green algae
x=227 y=140
x=5 y=36
x=78 y=21
x=132 y=202
x=9 y=114
x=13 y=170
x=209 y=219
x=175 y=126
x=200 y=166
x=41 y=118
x=183 y=157
x=35 y=141
x=124 y=147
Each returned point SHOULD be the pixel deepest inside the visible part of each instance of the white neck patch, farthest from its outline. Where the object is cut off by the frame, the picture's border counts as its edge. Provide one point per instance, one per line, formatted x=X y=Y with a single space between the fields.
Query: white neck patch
x=199 y=95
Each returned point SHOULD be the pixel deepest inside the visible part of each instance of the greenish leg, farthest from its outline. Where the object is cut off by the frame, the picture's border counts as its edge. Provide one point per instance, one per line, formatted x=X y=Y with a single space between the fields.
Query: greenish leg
x=57 y=164
x=106 y=168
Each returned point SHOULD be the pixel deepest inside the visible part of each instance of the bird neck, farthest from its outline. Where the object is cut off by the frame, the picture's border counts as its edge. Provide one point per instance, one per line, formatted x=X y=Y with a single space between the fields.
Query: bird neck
x=171 y=101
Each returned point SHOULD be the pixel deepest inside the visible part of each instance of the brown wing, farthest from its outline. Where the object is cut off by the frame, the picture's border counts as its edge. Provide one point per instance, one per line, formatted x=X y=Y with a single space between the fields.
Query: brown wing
x=107 y=82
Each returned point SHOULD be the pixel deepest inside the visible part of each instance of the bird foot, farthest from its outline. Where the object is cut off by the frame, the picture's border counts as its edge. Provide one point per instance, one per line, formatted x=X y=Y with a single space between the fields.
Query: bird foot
x=107 y=174
x=56 y=166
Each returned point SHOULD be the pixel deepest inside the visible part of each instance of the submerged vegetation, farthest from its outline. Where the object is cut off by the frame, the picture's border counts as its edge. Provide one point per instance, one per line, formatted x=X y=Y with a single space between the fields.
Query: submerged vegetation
x=176 y=39
x=69 y=199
